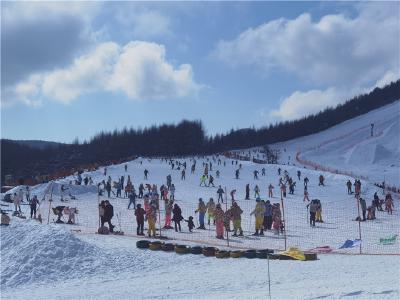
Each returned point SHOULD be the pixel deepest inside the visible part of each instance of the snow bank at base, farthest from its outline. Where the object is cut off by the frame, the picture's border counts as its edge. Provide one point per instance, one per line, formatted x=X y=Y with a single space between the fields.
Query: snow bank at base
x=31 y=252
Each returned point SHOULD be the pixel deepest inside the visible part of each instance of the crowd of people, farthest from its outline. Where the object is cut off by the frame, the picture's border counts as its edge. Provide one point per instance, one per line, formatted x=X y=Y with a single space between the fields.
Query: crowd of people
x=268 y=216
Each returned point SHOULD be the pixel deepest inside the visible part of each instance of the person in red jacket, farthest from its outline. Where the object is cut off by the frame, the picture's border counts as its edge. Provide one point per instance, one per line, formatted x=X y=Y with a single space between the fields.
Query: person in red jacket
x=139 y=213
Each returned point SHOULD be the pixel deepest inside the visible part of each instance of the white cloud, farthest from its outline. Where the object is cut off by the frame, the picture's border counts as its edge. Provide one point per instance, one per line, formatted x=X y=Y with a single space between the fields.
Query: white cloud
x=144 y=23
x=138 y=69
x=300 y=104
x=333 y=51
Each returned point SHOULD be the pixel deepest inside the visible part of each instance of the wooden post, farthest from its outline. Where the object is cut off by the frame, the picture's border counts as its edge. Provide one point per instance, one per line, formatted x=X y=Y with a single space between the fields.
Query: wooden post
x=50 y=200
x=98 y=203
x=359 y=220
x=226 y=208
x=283 y=219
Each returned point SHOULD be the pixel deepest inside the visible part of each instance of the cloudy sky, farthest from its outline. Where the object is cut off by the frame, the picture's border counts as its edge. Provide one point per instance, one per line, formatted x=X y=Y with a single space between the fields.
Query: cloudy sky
x=72 y=69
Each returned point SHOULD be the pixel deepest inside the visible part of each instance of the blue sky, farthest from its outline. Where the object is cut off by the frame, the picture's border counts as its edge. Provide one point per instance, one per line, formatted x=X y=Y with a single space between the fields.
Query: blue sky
x=72 y=69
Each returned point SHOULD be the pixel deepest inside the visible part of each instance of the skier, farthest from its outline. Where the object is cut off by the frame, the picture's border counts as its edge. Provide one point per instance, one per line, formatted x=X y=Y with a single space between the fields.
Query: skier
x=321 y=180
x=151 y=215
x=183 y=174
x=27 y=194
x=305 y=180
x=232 y=193
x=348 y=184
x=219 y=221
x=256 y=192
x=141 y=189
x=277 y=223
x=291 y=187
x=220 y=191
x=255 y=174
x=389 y=203
x=105 y=171
x=62 y=192
x=203 y=180
x=236 y=212
x=217 y=173
x=371 y=211
x=306 y=196
x=201 y=209
x=177 y=217
x=283 y=190
x=33 y=205
x=211 y=181
x=279 y=171
x=313 y=206
x=169 y=181
x=168 y=212
x=258 y=212
x=237 y=174
x=298 y=174
x=318 y=214
x=211 y=210
x=126 y=167
x=17 y=203
x=377 y=202
x=108 y=215
x=108 y=188
x=270 y=188
x=172 y=191
x=193 y=168
x=268 y=215
x=132 y=199
x=139 y=213
x=263 y=172
x=145 y=172
x=363 y=205
x=190 y=223
x=247 y=192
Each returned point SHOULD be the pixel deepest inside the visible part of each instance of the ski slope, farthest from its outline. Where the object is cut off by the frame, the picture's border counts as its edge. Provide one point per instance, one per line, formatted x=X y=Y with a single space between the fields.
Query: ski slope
x=70 y=261
x=349 y=146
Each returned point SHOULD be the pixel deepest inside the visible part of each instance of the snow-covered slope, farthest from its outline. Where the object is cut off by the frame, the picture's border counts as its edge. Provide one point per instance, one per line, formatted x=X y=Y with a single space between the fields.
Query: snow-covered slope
x=349 y=146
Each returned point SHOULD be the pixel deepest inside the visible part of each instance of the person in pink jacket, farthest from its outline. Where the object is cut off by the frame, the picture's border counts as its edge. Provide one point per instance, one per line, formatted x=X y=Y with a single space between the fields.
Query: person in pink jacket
x=219 y=221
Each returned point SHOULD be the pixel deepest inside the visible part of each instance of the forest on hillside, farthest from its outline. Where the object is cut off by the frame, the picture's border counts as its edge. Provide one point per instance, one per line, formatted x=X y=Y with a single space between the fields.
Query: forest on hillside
x=185 y=138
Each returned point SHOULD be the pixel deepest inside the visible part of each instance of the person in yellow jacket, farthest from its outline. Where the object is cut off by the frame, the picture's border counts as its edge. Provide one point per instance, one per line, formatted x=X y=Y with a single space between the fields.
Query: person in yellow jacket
x=258 y=212
x=151 y=215
x=318 y=214
x=211 y=209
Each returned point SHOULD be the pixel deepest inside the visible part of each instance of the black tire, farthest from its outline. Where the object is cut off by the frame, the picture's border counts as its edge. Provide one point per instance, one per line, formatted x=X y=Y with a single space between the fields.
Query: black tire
x=209 y=251
x=310 y=256
x=273 y=256
x=168 y=247
x=263 y=253
x=222 y=254
x=196 y=250
x=250 y=254
x=181 y=249
x=236 y=254
x=284 y=257
x=143 y=244
x=155 y=246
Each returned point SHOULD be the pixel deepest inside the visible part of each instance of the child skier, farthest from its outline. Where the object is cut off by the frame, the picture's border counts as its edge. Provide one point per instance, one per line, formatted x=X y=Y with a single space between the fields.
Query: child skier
x=190 y=223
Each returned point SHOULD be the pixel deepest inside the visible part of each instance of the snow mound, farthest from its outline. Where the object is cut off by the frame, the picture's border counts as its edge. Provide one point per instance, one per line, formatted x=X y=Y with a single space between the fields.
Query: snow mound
x=31 y=252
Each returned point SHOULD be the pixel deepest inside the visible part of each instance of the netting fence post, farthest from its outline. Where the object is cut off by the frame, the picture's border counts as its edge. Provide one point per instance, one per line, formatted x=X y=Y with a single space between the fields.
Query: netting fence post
x=359 y=221
x=226 y=228
x=50 y=200
x=283 y=219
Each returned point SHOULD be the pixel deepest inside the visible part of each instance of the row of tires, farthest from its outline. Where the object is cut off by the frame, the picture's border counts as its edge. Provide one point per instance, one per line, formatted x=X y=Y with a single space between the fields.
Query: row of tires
x=214 y=252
